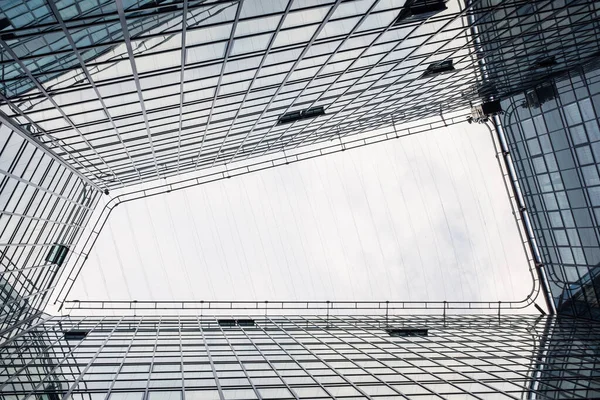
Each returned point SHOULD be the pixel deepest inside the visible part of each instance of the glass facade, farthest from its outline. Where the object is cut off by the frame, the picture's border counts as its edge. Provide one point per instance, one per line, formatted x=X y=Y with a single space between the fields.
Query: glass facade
x=551 y=137
x=207 y=85
x=26 y=27
x=44 y=203
x=304 y=358
x=550 y=39
x=550 y=128
x=98 y=95
x=556 y=151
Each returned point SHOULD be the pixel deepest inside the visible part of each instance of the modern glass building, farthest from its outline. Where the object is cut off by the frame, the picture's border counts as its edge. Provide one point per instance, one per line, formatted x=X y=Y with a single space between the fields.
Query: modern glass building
x=304 y=358
x=550 y=136
x=556 y=149
x=99 y=96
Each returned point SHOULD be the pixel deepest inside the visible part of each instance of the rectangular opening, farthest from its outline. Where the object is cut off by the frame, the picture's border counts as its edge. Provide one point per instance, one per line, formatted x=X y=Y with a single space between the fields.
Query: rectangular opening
x=425 y=9
x=438 y=68
x=406 y=332
x=8 y=36
x=57 y=254
x=420 y=10
x=491 y=107
x=75 y=334
x=544 y=62
x=4 y=23
x=226 y=322
x=534 y=98
x=312 y=217
x=294 y=116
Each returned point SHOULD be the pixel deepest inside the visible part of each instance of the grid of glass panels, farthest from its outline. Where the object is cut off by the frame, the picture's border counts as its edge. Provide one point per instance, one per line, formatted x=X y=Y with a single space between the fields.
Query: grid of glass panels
x=550 y=39
x=27 y=27
x=478 y=357
x=207 y=86
x=42 y=203
x=556 y=153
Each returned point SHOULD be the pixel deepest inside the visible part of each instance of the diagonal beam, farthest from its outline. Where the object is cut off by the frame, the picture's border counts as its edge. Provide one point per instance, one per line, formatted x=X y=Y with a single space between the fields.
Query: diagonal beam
x=41 y=88
x=136 y=78
x=183 y=60
x=262 y=62
x=287 y=76
x=77 y=53
x=228 y=49
x=5 y=120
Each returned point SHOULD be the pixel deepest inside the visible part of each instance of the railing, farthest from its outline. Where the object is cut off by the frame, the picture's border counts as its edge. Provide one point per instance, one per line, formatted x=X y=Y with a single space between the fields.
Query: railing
x=270 y=307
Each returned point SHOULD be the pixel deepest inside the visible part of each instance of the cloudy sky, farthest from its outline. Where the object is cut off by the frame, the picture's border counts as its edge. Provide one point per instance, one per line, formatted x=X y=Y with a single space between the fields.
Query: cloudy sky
x=425 y=217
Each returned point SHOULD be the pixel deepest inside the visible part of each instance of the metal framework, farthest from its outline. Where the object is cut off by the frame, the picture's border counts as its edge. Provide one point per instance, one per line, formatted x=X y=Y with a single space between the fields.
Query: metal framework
x=106 y=94
x=44 y=201
x=96 y=225
x=194 y=84
x=240 y=65
x=199 y=85
x=303 y=358
x=555 y=149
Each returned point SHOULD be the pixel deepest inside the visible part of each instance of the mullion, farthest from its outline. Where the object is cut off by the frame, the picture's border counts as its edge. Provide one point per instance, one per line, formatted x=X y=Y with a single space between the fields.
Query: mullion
x=13 y=239
x=258 y=70
x=48 y=97
x=397 y=62
x=136 y=78
x=210 y=359
x=85 y=70
x=389 y=106
x=184 y=24
x=511 y=40
x=51 y=233
x=313 y=38
x=413 y=67
x=347 y=359
x=228 y=49
x=270 y=363
x=237 y=358
x=506 y=338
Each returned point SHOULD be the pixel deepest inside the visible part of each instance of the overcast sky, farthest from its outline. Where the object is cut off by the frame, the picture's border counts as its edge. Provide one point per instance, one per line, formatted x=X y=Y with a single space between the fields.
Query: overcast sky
x=425 y=217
